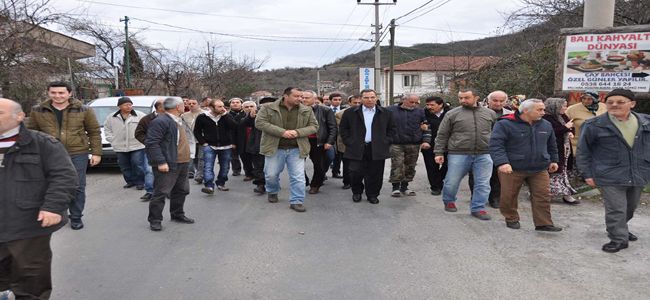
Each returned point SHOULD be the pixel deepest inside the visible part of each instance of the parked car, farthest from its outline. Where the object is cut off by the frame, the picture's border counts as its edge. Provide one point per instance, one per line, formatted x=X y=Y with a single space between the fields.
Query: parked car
x=105 y=107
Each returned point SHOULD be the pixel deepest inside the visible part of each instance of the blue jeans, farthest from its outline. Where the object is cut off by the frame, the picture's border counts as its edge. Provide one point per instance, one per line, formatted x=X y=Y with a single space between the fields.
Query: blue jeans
x=80 y=162
x=209 y=156
x=458 y=165
x=274 y=165
x=148 y=176
x=132 y=166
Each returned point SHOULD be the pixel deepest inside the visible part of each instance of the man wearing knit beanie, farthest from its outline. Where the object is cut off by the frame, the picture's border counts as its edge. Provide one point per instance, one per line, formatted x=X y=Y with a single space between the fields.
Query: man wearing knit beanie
x=613 y=155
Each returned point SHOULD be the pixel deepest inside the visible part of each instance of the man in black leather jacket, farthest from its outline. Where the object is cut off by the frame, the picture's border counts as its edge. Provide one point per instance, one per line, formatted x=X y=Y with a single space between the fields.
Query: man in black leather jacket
x=320 y=142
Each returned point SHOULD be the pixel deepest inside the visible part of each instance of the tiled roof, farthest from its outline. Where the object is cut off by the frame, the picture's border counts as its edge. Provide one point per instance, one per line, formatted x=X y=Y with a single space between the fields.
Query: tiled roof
x=446 y=63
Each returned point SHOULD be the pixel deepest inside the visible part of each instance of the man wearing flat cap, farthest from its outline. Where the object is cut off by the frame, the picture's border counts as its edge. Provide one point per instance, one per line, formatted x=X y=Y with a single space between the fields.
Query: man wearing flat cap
x=119 y=129
x=614 y=155
x=587 y=108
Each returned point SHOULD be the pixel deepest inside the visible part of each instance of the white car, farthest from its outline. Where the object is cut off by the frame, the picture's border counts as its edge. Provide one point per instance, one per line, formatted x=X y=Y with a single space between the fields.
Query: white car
x=105 y=107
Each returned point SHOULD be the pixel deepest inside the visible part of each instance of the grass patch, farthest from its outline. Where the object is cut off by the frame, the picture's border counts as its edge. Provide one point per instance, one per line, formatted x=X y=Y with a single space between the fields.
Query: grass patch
x=647 y=189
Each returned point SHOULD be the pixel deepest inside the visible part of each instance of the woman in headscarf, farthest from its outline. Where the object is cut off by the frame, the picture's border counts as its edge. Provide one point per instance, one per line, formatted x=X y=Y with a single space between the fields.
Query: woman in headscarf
x=563 y=128
x=587 y=108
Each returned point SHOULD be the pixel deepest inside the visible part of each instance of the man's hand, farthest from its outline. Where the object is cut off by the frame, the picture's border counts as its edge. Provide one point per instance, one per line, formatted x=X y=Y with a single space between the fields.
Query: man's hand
x=552 y=168
x=571 y=135
x=424 y=126
x=425 y=146
x=590 y=182
x=163 y=168
x=440 y=159
x=327 y=146
x=234 y=146
x=290 y=134
x=253 y=113
x=94 y=160
x=505 y=168
x=48 y=219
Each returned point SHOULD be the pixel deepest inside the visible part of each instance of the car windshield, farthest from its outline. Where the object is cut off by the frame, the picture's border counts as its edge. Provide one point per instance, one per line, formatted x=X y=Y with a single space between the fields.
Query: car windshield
x=102 y=112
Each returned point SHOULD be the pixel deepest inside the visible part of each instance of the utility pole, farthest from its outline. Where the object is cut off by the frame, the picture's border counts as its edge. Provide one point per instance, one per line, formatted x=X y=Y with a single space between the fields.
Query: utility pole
x=391 y=74
x=127 y=60
x=377 y=40
x=318 y=81
x=598 y=14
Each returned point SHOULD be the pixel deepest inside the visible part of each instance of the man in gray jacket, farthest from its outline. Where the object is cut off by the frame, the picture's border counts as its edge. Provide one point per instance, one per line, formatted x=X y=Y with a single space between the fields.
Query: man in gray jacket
x=614 y=155
x=464 y=134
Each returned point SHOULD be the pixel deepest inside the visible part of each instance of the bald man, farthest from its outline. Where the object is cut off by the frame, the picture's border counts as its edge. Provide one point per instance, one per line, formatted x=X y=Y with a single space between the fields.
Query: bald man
x=38 y=181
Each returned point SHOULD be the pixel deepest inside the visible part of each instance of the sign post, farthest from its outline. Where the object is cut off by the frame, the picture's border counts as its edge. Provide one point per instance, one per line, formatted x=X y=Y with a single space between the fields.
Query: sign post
x=366 y=78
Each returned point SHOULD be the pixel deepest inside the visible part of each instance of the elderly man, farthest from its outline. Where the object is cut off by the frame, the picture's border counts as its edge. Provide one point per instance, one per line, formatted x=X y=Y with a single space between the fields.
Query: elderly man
x=614 y=154
x=322 y=141
x=527 y=157
x=76 y=126
x=408 y=140
x=168 y=150
x=286 y=125
x=141 y=135
x=496 y=102
x=464 y=134
x=367 y=132
x=119 y=129
x=587 y=108
x=38 y=181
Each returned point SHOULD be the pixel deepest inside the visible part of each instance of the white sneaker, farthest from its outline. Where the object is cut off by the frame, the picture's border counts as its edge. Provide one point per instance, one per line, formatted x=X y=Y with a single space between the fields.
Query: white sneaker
x=7 y=295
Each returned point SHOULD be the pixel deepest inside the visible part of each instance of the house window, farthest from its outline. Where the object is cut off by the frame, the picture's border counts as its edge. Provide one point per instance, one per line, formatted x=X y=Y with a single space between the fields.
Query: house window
x=411 y=80
x=440 y=80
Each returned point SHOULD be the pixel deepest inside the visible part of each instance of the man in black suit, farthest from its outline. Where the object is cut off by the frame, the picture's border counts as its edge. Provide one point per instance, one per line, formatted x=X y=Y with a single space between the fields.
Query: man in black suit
x=367 y=132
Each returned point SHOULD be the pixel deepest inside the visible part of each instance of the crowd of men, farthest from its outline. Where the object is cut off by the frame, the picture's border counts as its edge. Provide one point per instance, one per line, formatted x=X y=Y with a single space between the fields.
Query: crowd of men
x=43 y=161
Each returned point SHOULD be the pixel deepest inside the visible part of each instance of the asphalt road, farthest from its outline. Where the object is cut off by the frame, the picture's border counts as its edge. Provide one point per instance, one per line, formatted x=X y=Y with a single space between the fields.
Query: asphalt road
x=243 y=247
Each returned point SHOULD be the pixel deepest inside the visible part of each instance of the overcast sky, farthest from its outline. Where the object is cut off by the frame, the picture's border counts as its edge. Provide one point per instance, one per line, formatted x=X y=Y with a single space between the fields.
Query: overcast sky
x=339 y=24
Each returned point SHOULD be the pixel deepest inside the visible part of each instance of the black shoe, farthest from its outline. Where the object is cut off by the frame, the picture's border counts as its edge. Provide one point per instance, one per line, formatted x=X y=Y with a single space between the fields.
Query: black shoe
x=436 y=192
x=273 y=198
x=613 y=247
x=631 y=237
x=155 y=226
x=513 y=225
x=146 y=197
x=190 y=176
x=373 y=200
x=549 y=228
x=236 y=173
x=139 y=187
x=494 y=204
x=198 y=180
x=260 y=189
x=76 y=224
x=346 y=187
x=129 y=185
x=356 y=197
x=183 y=219
x=336 y=175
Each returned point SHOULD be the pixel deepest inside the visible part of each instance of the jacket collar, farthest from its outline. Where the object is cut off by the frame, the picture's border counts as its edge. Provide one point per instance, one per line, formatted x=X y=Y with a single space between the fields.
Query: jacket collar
x=276 y=106
x=604 y=121
x=74 y=103
x=133 y=113
x=24 y=137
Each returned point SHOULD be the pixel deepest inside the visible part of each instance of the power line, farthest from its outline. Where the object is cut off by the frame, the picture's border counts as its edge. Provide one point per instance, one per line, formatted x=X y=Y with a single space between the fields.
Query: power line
x=444 y=30
x=426 y=12
x=358 y=40
x=412 y=11
x=337 y=34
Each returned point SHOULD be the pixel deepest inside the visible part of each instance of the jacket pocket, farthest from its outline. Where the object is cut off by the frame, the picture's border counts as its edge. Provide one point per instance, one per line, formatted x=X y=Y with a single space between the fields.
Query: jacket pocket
x=29 y=181
x=609 y=148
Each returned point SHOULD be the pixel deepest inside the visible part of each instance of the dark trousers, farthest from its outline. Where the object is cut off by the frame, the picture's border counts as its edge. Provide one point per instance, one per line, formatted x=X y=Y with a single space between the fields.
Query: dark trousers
x=318 y=157
x=173 y=185
x=495 y=185
x=25 y=267
x=620 y=204
x=235 y=163
x=435 y=173
x=336 y=163
x=247 y=164
x=80 y=162
x=257 y=161
x=346 y=171
x=367 y=171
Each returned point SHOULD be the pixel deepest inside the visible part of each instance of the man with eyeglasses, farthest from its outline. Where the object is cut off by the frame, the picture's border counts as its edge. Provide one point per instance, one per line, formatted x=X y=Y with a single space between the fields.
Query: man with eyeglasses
x=614 y=155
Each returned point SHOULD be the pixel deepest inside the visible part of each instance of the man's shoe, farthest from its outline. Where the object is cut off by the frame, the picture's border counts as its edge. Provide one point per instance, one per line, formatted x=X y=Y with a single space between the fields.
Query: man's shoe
x=631 y=237
x=139 y=187
x=129 y=185
x=236 y=173
x=76 y=224
x=373 y=200
x=336 y=175
x=260 y=189
x=356 y=197
x=190 y=176
x=198 y=180
x=273 y=198
x=396 y=193
x=208 y=190
x=146 y=197
x=451 y=207
x=408 y=192
x=298 y=207
x=494 y=203
x=613 y=247
x=313 y=190
x=183 y=219
x=436 y=192
x=248 y=178
x=481 y=215
x=548 y=228
x=222 y=188
x=513 y=225
x=155 y=226
x=7 y=295
x=346 y=187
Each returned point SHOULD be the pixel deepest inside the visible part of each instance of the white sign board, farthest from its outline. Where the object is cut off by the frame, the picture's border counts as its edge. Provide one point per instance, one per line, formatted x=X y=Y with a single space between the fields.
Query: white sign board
x=366 y=78
x=604 y=62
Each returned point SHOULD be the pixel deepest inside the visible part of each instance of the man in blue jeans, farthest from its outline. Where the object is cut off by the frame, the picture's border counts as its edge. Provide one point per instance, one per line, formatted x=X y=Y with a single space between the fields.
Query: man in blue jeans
x=286 y=125
x=464 y=134
x=216 y=131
